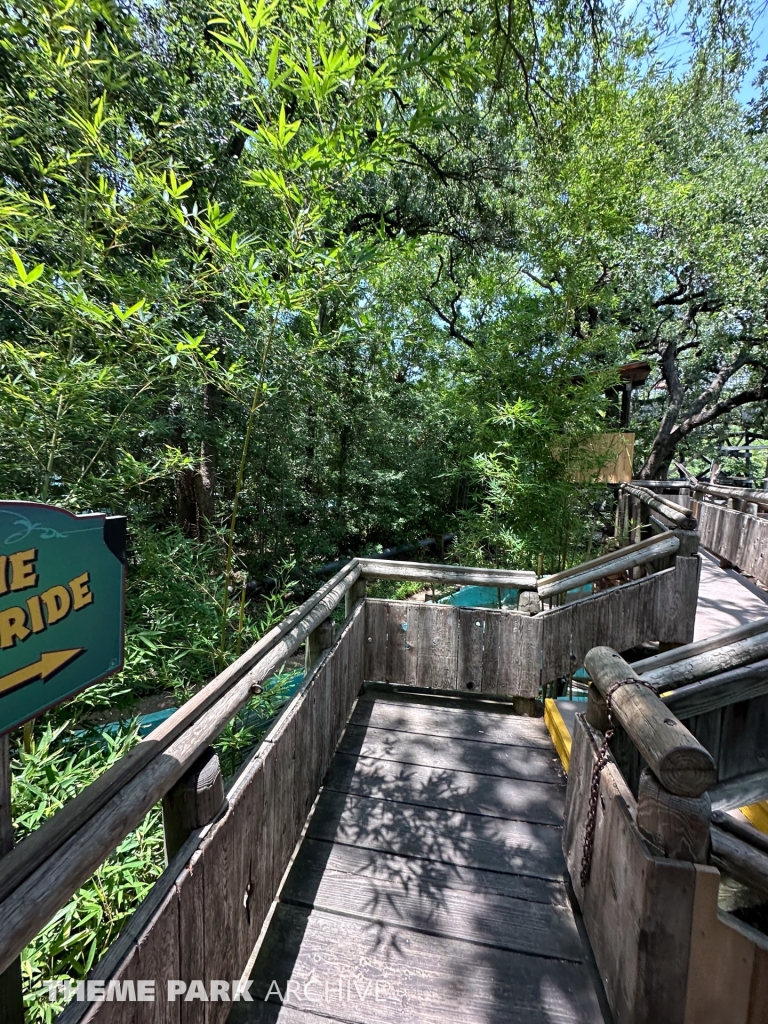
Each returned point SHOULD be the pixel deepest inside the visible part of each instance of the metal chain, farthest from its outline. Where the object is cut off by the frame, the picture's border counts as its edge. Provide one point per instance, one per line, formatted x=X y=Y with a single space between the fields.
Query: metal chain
x=603 y=756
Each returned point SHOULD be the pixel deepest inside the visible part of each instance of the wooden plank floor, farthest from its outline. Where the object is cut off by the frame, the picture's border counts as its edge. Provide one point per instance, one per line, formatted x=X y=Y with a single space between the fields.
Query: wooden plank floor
x=726 y=599
x=431 y=885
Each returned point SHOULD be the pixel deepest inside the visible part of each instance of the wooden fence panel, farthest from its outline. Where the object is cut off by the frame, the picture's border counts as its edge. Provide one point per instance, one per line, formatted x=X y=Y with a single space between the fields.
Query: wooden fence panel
x=734 y=536
x=442 y=646
x=470 y=640
x=203 y=917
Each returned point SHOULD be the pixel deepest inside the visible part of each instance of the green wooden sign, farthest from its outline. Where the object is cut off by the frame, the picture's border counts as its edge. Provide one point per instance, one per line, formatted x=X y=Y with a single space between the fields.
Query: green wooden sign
x=62 y=605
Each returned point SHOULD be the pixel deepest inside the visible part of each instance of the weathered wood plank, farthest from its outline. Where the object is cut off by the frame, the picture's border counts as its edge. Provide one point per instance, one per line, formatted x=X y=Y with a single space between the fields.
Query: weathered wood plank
x=421 y=978
x=437 y=647
x=471 y=634
x=490 y=919
x=744 y=738
x=452 y=790
x=417 y=874
x=397 y=635
x=492 y=844
x=637 y=910
x=596 y=569
x=458 y=574
x=461 y=722
x=453 y=754
x=739 y=684
x=376 y=614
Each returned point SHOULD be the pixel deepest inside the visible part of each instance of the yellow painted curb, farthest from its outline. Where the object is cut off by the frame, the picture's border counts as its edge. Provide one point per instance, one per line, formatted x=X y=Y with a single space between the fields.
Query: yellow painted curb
x=558 y=731
x=757 y=814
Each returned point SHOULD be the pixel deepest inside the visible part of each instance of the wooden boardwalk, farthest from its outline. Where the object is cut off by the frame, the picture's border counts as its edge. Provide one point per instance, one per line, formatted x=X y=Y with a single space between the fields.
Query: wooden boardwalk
x=430 y=884
x=726 y=599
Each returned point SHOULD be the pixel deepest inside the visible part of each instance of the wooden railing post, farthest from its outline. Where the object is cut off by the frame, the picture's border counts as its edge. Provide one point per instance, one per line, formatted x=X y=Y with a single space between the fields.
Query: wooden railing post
x=529 y=602
x=317 y=643
x=597 y=709
x=194 y=801
x=677 y=826
x=355 y=593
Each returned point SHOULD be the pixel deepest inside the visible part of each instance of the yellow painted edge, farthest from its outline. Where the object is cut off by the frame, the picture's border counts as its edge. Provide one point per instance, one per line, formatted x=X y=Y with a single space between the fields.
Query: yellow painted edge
x=558 y=731
x=757 y=814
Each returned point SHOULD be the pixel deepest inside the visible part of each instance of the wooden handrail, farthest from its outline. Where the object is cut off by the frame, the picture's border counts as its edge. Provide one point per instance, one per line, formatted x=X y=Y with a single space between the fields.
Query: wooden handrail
x=677 y=759
x=681 y=516
x=710 y=663
x=740 y=860
x=728 y=636
x=377 y=569
x=616 y=561
x=718 y=691
x=738 y=493
x=43 y=871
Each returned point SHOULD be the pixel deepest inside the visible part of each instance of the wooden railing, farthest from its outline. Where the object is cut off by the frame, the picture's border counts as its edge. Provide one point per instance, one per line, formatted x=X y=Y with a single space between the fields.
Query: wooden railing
x=650 y=896
x=227 y=851
x=732 y=521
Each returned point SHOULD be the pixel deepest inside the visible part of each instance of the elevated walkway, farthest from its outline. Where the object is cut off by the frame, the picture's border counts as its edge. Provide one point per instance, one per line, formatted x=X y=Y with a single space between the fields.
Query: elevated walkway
x=726 y=599
x=431 y=883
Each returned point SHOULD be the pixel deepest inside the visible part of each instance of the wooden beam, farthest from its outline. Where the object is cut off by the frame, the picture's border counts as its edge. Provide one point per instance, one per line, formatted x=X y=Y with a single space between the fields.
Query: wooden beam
x=711 y=663
x=681 y=516
x=740 y=860
x=353 y=595
x=741 y=829
x=193 y=802
x=733 y=493
x=678 y=826
x=625 y=558
x=600 y=560
x=740 y=792
x=728 y=636
x=677 y=759
x=320 y=640
x=718 y=691
x=378 y=569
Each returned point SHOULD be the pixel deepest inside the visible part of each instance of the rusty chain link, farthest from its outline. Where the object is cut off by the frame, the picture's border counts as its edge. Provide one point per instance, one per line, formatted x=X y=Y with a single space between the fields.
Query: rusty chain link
x=603 y=756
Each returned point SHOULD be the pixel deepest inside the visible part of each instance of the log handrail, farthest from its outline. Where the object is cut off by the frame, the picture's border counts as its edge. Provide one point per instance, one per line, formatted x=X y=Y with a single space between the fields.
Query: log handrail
x=681 y=516
x=737 y=493
x=377 y=569
x=710 y=663
x=677 y=759
x=676 y=654
x=47 y=867
x=642 y=553
x=719 y=691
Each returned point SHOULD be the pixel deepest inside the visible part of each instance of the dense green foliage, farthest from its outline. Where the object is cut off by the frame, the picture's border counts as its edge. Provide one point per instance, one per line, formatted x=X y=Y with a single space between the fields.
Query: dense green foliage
x=287 y=282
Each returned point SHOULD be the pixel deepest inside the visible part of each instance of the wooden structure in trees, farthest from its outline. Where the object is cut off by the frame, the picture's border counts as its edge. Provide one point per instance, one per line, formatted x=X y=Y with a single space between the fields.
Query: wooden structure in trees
x=732 y=521
x=435 y=844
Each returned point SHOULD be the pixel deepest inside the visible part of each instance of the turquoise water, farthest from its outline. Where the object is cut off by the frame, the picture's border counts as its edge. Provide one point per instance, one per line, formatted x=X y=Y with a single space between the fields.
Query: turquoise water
x=488 y=597
x=482 y=597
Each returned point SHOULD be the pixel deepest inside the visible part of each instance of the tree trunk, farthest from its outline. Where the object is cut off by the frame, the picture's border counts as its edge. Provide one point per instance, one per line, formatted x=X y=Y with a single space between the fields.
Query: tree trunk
x=195 y=488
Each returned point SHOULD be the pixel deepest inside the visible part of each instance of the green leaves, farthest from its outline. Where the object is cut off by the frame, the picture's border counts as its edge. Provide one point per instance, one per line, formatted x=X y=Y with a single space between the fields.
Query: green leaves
x=25 y=278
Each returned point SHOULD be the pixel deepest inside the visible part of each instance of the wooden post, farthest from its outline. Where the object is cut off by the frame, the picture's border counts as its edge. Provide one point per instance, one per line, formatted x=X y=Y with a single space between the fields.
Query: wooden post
x=11 y=991
x=355 y=593
x=195 y=800
x=524 y=706
x=678 y=826
x=597 y=709
x=318 y=642
x=529 y=602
